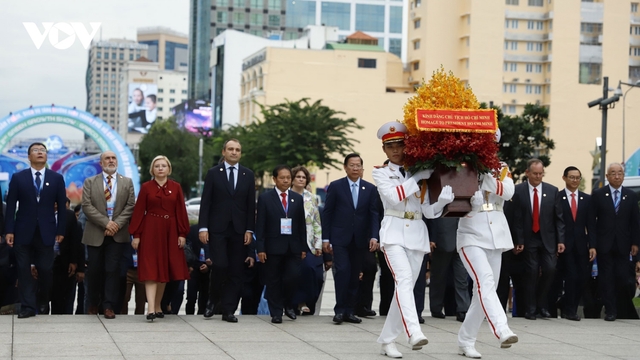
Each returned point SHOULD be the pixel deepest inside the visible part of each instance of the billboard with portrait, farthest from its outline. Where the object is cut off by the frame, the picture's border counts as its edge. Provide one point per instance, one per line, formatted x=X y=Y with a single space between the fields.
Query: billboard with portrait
x=142 y=108
x=193 y=116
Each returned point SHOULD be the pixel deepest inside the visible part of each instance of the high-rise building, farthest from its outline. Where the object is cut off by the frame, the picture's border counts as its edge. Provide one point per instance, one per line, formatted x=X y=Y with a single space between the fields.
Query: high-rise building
x=550 y=52
x=106 y=62
x=286 y=20
x=167 y=47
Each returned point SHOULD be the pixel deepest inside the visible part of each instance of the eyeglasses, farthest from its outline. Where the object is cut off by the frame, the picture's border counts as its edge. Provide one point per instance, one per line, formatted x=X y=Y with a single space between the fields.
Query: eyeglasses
x=354 y=167
x=574 y=178
x=41 y=151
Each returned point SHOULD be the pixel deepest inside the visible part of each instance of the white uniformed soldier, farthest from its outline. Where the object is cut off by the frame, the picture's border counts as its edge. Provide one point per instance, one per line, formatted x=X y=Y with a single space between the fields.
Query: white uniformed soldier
x=403 y=236
x=482 y=237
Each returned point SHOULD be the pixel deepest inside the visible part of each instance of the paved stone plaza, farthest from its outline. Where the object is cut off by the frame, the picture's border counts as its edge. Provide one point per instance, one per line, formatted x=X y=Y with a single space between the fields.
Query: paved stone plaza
x=311 y=338
x=186 y=337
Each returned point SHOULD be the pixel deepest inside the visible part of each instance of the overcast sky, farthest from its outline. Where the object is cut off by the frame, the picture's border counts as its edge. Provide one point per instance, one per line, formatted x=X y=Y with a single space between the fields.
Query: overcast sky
x=30 y=76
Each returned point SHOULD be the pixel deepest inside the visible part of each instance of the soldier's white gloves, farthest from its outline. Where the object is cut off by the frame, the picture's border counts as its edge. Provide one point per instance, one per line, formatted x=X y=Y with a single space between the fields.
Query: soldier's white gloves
x=446 y=197
x=422 y=174
x=477 y=199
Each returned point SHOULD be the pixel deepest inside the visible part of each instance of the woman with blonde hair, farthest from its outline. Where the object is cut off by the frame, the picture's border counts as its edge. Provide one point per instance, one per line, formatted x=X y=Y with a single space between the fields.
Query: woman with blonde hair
x=159 y=226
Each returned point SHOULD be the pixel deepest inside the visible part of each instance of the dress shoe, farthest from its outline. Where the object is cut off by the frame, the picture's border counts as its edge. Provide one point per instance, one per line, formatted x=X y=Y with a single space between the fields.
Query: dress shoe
x=365 y=312
x=469 y=351
x=208 y=311
x=390 y=350
x=352 y=319
x=26 y=314
x=151 y=316
x=544 y=314
x=417 y=341
x=109 y=314
x=290 y=314
x=529 y=316
x=609 y=318
x=460 y=316
x=276 y=319
x=160 y=315
x=507 y=338
x=229 y=318
x=338 y=318
x=420 y=319
x=437 y=315
x=573 y=317
x=93 y=310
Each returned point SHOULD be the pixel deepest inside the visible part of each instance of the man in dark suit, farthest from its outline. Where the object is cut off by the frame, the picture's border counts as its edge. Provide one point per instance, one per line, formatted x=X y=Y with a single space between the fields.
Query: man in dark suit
x=65 y=266
x=539 y=227
x=574 y=262
x=226 y=222
x=350 y=228
x=614 y=230
x=445 y=263
x=33 y=230
x=281 y=242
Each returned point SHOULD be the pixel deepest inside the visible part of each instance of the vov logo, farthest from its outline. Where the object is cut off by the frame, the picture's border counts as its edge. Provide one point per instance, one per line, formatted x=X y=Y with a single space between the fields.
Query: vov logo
x=70 y=30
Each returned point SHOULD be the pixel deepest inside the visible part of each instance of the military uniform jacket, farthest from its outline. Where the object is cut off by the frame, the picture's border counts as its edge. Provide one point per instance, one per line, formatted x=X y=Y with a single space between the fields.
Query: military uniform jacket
x=488 y=229
x=401 y=193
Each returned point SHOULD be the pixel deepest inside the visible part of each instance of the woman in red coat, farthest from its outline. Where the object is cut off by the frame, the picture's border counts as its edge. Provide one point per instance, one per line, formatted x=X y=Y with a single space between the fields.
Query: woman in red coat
x=159 y=226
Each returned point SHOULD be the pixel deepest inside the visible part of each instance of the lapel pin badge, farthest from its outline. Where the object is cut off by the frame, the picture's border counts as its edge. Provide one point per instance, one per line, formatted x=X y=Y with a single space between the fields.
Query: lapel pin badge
x=47 y=184
x=607 y=194
x=221 y=169
x=363 y=188
x=544 y=195
x=581 y=197
x=564 y=198
x=292 y=200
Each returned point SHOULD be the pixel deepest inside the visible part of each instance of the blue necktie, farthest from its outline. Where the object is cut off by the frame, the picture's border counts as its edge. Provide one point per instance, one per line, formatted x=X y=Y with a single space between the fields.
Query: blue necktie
x=616 y=200
x=38 y=183
x=354 y=195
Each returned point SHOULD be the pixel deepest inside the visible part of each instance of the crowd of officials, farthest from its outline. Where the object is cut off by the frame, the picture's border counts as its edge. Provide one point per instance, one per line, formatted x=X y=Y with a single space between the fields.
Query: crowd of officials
x=566 y=247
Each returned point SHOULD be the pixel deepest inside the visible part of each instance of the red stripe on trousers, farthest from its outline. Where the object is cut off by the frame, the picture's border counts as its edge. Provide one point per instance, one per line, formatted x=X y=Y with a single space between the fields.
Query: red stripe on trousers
x=493 y=328
x=404 y=323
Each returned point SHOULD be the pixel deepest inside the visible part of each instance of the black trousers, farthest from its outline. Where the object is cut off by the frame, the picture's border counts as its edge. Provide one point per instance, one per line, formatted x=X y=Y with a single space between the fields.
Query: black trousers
x=540 y=269
x=512 y=272
x=227 y=256
x=62 y=288
x=41 y=256
x=364 y=299
x=283 y=276
x=347 y=263
x=614 y=276
x=197 y=291
x=575 y=272
x=104 y=268
x=253 y=283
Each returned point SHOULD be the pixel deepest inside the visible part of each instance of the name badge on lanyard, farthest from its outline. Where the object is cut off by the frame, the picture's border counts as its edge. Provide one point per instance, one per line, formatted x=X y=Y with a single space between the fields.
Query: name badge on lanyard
x=285 y=226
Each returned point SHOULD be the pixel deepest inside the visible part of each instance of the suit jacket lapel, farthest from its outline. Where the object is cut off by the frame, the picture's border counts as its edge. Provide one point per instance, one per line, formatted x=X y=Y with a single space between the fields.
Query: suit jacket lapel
x=527 y=196
x=278 y=200
x=98 y=186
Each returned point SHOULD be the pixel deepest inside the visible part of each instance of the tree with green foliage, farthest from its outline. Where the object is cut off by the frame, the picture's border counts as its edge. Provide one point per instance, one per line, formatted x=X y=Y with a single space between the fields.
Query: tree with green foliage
x=295 y=133
x=181 y=147
x=524 y=137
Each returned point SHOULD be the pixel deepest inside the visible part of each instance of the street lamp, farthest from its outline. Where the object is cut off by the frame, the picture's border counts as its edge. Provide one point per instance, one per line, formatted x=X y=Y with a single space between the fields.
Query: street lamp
x=603 y=104
x=618 y=92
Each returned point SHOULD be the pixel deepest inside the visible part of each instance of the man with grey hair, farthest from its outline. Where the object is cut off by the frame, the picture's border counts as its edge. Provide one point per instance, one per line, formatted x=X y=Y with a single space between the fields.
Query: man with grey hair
x=107 y=201
x=614 y=231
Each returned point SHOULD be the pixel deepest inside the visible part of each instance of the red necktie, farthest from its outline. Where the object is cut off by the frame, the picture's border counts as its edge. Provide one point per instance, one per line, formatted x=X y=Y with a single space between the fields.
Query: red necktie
x=574 y=206
x=536 y=212
x=284 y=200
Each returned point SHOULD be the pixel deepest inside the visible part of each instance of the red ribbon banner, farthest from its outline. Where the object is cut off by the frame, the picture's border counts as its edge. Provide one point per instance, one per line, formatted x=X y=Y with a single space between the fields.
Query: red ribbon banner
x=480 y=121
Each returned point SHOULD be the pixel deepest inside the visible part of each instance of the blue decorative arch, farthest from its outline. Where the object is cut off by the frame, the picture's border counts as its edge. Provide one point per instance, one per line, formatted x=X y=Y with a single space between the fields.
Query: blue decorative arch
x=95 y=128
